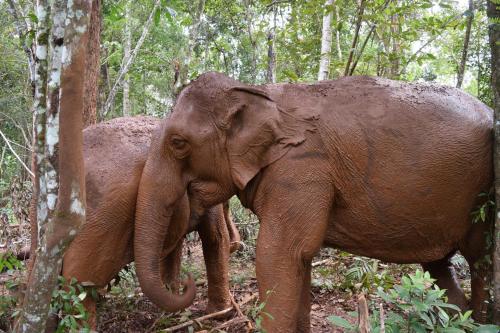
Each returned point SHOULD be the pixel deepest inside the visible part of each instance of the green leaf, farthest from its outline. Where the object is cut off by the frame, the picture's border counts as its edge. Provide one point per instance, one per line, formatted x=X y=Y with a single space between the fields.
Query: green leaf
x=488 y=329
x=341 y=322
x=157 y=17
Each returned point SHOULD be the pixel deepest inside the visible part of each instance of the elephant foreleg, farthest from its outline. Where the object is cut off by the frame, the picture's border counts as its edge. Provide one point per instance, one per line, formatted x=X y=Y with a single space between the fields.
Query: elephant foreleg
x=215 y=241
x=290 y=236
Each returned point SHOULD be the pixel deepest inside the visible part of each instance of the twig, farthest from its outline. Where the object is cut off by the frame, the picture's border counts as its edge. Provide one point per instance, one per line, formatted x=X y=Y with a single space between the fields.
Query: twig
x=319 y=263
x=382 y=322
x=198 y=320
x=15 y=154
x=234 y=321
x=240 y=314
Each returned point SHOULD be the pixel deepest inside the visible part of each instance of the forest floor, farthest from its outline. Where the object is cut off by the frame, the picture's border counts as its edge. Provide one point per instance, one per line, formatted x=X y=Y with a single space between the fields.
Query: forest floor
x=337 y=279
x=125 y=309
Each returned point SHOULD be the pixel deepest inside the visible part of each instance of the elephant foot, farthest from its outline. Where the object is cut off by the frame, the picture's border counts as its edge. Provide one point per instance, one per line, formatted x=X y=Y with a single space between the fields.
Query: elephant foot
x=213 y=307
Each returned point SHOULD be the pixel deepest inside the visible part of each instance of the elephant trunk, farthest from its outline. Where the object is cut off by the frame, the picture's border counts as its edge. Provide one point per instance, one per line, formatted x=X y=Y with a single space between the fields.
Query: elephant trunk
x=153 y=217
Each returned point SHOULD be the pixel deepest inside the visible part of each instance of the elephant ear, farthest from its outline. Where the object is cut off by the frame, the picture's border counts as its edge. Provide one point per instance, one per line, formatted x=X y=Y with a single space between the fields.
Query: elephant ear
x=259 y=131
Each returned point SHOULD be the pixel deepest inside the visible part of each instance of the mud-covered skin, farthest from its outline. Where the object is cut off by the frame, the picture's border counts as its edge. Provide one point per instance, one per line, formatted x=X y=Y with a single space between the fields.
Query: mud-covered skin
x=375 y=167
x=115 y=153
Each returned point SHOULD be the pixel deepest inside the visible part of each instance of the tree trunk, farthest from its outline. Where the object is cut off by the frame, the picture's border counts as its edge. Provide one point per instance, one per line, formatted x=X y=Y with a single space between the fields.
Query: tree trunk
x=326 y=42
x=271 y=53
x=396 y=47
x=248 y=17
x=463 y=62
x=359 y=21
x=193 y=36
x=92 y=66
x=127 y=62
x=59 y=104
x=494 y=33
x=337 y=33
x=126 y=54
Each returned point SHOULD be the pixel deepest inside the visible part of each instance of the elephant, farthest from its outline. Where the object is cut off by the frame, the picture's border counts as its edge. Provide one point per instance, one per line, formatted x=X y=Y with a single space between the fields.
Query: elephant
x=378 y=168
x=114 y=153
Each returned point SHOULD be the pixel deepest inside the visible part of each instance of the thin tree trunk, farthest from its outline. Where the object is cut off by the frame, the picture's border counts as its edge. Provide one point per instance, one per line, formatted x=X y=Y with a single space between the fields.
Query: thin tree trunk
x=271 y=53
x=494 y=34
x=92 y=67
x=463 y=61
x=337 y=33
x=58 y=148
x=356 y=36
x=396 y=47
x=326 y=42
x=248 y=17
x=127 y=62
x=193 y=36
x=22 y=28
x=360 y=53
x=126 y=54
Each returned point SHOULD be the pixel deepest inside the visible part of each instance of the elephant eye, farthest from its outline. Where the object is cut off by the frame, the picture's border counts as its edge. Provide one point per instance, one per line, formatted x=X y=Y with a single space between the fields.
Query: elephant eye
x=180 y=146
x=178 y=143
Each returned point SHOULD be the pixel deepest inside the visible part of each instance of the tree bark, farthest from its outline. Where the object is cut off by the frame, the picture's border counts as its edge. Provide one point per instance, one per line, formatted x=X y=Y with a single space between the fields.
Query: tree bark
x=271 y=53
x=248 y=17
x=337 y=33
x=193 y=36
x=326 y=42
x=396 y=47
x=92 y=67
x=59 y=104
x=126 y=54
x=463 y=61
x=494 y=34
x=356 y=36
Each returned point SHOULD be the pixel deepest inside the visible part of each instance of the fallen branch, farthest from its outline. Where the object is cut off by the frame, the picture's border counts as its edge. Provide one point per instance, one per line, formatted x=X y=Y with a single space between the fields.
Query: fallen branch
x=234 y=321
x=319 y=263
x=198 y=320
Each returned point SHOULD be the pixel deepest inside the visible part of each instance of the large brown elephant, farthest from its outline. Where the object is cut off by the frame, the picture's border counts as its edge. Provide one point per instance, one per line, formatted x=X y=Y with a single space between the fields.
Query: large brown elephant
x=115 y=153
x=375 y=167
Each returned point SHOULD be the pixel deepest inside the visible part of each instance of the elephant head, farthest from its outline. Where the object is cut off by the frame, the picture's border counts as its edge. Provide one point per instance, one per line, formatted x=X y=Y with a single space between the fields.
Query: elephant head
x=220 y=135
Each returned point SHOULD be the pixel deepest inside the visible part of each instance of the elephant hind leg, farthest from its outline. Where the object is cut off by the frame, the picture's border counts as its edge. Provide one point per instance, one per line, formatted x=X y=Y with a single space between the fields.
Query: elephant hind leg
x=443 y=271
x=475 y=250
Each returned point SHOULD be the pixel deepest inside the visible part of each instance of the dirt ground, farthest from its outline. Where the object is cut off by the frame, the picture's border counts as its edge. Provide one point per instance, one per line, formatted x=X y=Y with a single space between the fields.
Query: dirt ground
x=125 y=309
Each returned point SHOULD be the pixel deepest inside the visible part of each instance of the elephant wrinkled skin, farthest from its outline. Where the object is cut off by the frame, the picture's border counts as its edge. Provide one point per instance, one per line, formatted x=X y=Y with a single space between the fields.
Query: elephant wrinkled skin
x=115 y=153
x=375 y=167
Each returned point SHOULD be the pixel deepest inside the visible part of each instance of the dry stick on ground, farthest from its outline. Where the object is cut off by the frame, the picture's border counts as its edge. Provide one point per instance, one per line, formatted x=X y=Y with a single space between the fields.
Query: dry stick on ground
x=363 y=315
x=198 y=320
x=240 y=314
x=382 y=319
x=321 y=262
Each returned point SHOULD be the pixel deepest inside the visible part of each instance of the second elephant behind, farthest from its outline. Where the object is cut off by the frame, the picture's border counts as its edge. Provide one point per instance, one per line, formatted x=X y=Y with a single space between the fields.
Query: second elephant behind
x=115 y=152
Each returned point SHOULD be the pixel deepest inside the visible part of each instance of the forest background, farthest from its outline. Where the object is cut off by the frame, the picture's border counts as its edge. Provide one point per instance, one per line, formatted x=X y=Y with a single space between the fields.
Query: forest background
x=149 y=49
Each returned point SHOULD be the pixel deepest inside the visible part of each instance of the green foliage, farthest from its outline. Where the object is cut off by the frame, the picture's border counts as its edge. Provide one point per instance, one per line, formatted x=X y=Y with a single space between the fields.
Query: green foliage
x=67 y=304
x=364 y=274
x=8 y=261
x=417 y=305
x=257 y=313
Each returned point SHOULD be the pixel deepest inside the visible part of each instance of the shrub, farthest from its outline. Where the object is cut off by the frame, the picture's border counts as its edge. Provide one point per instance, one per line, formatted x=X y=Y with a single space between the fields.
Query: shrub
x=417 y=305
